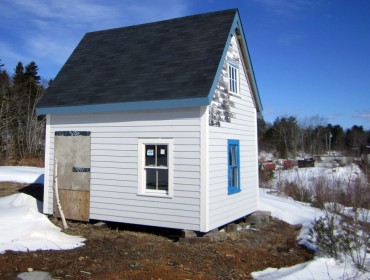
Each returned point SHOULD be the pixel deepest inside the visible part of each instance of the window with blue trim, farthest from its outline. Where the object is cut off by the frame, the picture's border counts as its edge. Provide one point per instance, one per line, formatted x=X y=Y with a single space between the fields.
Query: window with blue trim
x=233 y=166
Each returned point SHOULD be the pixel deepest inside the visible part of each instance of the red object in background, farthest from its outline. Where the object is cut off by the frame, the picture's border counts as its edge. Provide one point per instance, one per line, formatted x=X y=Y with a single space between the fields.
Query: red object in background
x=287 y=164
x=268 y=165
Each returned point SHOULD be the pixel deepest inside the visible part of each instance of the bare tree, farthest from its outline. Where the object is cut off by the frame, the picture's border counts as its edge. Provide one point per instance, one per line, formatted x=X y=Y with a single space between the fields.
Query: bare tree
x=287 y=135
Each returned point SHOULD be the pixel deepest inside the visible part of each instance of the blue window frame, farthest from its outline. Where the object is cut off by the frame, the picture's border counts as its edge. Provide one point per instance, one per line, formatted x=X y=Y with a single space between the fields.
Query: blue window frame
x=233 y=166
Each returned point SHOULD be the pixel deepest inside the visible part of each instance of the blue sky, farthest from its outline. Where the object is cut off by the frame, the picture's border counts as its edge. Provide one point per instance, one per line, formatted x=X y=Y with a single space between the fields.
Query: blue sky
x=310 y=57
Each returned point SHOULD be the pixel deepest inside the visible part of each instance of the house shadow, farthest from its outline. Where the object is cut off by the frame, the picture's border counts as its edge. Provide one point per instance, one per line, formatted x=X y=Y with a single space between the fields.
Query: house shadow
x=35 y=190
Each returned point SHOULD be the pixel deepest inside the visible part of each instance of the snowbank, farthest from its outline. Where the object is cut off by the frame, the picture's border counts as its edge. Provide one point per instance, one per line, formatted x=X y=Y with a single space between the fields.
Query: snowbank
x=23 y=228
x=317 y=269
x=292 y=212
x=295 y=212
x=22 y=174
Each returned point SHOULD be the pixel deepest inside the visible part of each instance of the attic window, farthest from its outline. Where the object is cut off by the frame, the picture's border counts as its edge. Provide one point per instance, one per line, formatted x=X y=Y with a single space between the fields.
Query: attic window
x=233 y=72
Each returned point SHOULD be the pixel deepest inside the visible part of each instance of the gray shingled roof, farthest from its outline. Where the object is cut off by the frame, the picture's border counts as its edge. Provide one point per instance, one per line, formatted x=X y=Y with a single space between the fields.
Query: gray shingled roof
x=172 y=59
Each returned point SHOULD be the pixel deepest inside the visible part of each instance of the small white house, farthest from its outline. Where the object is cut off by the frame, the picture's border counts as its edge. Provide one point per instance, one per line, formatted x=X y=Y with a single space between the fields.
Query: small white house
x=156 y=124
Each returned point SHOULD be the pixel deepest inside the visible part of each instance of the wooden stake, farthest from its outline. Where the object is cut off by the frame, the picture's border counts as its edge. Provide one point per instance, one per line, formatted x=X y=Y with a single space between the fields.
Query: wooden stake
x=56 y=192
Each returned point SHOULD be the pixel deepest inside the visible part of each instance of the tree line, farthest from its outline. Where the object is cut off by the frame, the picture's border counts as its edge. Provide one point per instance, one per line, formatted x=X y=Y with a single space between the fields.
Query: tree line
x=21 y=130
x=290 y=137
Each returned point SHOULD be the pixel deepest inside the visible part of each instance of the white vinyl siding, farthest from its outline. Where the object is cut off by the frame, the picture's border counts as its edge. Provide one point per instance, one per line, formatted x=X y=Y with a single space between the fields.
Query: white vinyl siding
x=224 y=208
x=198 y=199
x=114 y=165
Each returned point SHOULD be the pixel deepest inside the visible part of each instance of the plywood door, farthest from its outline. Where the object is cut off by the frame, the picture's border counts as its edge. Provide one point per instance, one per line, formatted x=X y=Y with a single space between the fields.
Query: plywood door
x=72 y=152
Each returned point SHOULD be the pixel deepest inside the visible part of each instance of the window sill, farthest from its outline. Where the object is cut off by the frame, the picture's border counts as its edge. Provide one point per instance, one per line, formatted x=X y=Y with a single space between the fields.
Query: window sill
x=230 y=192
x=235 y=94
x=153 y=194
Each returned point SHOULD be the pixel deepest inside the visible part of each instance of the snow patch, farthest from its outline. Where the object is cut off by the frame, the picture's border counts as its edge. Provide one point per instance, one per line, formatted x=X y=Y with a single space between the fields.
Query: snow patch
x=292 y=212
x=23 y=228
x=22 y=174
x=317 y=269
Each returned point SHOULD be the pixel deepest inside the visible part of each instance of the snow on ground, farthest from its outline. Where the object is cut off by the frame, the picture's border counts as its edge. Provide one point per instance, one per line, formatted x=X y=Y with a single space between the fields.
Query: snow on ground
x=294 y=212
x=265 y=156
x=22 y=174
x=317 y=269
x=22 y=227
x=306 y=177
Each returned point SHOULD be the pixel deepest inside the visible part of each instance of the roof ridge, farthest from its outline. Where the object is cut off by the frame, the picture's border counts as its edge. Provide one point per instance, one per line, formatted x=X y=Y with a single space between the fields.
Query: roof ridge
x=233 y=10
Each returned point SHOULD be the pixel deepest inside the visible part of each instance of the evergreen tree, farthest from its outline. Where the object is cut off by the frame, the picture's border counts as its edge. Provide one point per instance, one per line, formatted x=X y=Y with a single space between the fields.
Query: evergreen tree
x=19 y=77
x=356 y=139
x=26 y=129
x=337 y=140
x=31 y=72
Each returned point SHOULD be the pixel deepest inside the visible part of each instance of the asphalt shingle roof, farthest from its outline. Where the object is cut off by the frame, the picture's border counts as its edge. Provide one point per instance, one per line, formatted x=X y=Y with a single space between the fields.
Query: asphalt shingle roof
x=171 y=59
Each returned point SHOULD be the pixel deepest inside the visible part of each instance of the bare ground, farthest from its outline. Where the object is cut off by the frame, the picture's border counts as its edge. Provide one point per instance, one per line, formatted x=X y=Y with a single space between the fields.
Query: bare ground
x=120 y=251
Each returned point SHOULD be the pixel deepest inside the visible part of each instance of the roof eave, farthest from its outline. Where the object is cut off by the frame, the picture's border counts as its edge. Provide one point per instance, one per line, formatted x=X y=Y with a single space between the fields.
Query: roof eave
x=126 y=106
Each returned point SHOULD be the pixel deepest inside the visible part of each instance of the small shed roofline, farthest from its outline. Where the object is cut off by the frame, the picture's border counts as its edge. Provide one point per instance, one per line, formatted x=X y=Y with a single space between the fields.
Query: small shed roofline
x=235 y=30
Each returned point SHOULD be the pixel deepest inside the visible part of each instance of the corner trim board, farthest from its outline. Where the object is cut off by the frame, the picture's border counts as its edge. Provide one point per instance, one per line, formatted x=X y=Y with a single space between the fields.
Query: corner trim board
x=204 y=181
x=46 y=168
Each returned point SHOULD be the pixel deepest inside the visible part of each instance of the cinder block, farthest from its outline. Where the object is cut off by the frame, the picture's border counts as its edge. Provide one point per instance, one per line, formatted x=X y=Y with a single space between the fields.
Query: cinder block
x=212 y=233
x=188 y=234
x=258 y=217
x=231 y=227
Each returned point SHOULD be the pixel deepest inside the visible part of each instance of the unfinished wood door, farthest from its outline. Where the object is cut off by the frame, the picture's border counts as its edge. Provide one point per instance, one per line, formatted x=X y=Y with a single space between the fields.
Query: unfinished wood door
x=72 y=152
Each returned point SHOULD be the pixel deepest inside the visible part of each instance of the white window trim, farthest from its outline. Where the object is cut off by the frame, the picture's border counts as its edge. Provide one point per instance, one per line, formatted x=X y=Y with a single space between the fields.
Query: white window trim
x=141 y=164
x=236 y=67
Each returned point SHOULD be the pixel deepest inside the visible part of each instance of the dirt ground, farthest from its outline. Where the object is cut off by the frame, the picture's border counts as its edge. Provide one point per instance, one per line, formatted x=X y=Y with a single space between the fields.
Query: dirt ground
x=118 y=251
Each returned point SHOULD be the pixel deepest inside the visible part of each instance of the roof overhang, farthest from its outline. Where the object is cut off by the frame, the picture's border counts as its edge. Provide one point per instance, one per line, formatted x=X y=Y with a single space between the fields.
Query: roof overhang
x=127 y=106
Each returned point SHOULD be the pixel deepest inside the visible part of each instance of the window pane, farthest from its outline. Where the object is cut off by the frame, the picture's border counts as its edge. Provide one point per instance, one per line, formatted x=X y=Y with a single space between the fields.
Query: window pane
x=151 y=179
x=163 y=179
x=232 y=155
x=150 y=155
x=162 y=155
x=235 y=149
x=236 y=84
x=232 y=178
x=235 y=177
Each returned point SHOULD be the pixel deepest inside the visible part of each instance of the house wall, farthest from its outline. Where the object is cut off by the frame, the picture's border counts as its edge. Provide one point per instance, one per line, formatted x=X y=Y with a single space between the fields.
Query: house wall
x=114 y=165
x=232 y=117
